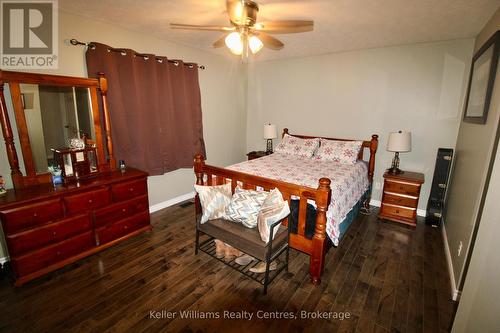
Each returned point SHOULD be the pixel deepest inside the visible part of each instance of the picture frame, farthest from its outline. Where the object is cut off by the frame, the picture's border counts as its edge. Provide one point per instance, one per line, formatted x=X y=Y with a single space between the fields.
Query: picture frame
x=481 y=81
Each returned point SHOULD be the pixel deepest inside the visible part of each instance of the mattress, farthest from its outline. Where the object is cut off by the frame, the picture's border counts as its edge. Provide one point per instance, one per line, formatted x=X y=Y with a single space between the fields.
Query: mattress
x=349 y=182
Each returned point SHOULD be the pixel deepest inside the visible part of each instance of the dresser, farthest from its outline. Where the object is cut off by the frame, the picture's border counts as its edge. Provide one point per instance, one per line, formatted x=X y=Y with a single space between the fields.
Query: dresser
x=48 y=227
x=400 y=197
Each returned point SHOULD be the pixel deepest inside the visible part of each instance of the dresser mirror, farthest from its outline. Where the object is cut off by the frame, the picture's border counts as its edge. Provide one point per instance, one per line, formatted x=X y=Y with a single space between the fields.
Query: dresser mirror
x=55 y=115
x=50 y=111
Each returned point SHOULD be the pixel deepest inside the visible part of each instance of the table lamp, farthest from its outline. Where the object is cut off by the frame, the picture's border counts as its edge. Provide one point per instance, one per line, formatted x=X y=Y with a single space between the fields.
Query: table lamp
x=398 y=142
x=270 y=134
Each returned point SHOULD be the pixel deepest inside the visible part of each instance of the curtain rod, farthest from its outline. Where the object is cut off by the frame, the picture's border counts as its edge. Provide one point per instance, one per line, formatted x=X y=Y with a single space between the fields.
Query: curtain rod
x=145 y=56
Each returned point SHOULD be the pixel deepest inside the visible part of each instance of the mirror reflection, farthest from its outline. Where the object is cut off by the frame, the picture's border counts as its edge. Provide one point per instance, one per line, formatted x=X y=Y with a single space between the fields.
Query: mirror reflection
x=55 y=115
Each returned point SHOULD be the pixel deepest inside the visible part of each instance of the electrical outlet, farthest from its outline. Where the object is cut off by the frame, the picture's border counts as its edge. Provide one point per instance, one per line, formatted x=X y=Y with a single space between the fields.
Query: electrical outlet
x=460 y=248
x=378 y=185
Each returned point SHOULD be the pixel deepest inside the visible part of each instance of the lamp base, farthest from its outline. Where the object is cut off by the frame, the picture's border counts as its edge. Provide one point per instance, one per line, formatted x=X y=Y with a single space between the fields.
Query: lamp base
x=394 y=169
x=269 y=146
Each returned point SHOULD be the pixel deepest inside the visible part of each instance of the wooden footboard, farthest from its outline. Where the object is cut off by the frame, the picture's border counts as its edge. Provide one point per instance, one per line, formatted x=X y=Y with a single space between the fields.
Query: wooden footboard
x=315 y=247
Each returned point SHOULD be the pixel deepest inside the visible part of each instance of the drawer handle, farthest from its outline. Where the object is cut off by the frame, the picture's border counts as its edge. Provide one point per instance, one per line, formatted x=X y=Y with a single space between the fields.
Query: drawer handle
x=90 y=201
x=35 y=215
x=397 y=211
x=131 y=189
x=58 y=253
x=442 y=185
x=54 y=233
x=438 y=215
x=124 y=210
x=125 y=227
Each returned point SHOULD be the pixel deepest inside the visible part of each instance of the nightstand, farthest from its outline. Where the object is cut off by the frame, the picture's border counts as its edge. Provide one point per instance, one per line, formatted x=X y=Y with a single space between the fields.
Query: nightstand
x=256 y=154
x=400 y=197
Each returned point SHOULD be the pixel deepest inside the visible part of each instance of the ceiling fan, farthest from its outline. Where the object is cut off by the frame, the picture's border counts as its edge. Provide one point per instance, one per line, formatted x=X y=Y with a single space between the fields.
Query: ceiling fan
x=245 y=33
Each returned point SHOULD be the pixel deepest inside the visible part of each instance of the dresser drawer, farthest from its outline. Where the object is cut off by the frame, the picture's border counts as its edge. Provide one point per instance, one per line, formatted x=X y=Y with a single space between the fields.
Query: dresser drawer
x=114 y=231
x=47 y=234
x=44 y=257
x=121 y=210
x=400 y=200
x=129 y=190
x=86 y=201
x=403 y=188
x=17 y=219
x=398 y=211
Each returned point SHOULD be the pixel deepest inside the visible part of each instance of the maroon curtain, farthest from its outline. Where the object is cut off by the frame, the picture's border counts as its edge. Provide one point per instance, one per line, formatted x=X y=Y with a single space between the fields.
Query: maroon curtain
x=155 y=108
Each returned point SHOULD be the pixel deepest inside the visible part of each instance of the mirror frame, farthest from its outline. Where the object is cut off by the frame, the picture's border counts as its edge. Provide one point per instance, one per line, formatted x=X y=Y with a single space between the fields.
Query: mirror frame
x=96 y=87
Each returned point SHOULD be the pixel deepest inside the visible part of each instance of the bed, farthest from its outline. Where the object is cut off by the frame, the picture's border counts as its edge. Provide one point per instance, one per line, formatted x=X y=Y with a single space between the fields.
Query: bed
x=329 y=192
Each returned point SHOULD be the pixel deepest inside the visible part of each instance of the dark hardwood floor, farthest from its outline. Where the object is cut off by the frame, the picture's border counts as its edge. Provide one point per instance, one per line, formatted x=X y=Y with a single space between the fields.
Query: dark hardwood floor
x=385 y=276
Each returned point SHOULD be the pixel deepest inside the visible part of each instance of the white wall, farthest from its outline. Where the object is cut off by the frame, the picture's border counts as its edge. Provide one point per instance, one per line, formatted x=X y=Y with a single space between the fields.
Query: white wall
x=418 y=88
x=480 y=301
x=474 y=152
x=222 y=86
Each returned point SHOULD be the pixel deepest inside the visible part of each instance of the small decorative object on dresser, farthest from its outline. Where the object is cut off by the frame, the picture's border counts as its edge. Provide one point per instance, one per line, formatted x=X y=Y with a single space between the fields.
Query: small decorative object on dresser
x=256 y=154
x=76 y=163
x=398 y=142
x=270 y=134
x=400 y=197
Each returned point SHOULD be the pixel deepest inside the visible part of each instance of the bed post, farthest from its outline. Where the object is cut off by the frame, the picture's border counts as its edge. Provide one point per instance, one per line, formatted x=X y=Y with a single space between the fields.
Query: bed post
x=371 y=168
x=317 y=258
x=285 y=131
x=199 y=164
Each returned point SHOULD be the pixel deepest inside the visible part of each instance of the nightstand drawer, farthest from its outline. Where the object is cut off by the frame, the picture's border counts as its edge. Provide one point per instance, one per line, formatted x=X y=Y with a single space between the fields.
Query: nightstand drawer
x=399 y=200
x=398 y=211
x=403 y=188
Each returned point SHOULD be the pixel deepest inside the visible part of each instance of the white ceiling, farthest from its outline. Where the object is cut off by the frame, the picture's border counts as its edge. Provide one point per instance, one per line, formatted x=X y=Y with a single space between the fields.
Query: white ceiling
x=340 y=25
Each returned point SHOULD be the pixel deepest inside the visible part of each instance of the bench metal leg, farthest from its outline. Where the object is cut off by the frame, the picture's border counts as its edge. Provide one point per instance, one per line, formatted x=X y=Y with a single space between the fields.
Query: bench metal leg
x=266 y=277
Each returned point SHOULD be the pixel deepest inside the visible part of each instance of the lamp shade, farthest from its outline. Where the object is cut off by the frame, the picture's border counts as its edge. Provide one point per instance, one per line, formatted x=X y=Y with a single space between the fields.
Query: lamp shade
x=270 y=131
x=399 y=142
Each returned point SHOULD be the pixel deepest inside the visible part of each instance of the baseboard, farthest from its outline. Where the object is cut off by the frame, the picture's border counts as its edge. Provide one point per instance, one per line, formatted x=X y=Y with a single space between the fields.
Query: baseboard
x=171 y=202
x=455 y=294
x=377 y=203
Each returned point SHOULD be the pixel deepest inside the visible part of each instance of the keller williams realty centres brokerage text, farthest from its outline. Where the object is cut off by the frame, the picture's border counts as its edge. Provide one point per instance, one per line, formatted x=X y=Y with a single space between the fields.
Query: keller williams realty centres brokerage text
x=247 y=315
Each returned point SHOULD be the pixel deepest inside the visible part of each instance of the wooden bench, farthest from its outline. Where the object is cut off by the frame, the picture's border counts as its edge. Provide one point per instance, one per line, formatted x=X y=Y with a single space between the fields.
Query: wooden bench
x=248 y=241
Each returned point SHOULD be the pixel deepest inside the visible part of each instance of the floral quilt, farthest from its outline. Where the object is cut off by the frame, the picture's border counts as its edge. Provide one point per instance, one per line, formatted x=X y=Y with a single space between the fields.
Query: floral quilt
x=349 y=182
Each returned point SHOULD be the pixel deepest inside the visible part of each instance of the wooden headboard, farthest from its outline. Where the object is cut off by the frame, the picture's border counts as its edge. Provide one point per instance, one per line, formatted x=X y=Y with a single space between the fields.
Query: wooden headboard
x=372 y=145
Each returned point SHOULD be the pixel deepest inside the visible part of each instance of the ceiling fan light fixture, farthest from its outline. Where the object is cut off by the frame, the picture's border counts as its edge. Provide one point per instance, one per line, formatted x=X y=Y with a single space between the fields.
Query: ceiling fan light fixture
x=234 y=43
x=255 y=44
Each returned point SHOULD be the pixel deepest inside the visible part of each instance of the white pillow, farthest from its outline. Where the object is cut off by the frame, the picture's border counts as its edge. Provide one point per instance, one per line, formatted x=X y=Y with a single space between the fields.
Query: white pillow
x=291 y=145
x=245 y=206
x=345 y=152
x=273 y=209
x=214 y=200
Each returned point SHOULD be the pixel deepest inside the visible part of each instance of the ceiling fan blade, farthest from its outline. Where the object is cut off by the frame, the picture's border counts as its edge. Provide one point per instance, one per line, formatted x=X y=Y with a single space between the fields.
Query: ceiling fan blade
x=270 y=42
x=220 y=42
x=285 y=27
x=200 y=27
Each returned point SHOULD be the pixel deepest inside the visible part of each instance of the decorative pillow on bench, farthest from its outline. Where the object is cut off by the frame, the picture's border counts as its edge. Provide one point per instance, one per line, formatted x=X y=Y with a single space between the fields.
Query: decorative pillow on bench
x=273 y=209
x=214 y=200
x=245 y=206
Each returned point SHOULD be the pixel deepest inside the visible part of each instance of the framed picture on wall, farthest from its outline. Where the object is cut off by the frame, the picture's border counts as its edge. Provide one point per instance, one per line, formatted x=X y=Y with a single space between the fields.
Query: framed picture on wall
x=481 y=81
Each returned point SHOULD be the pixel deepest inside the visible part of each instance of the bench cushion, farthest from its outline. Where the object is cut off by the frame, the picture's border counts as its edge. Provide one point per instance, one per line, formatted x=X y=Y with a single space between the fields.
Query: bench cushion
x=243 y=238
